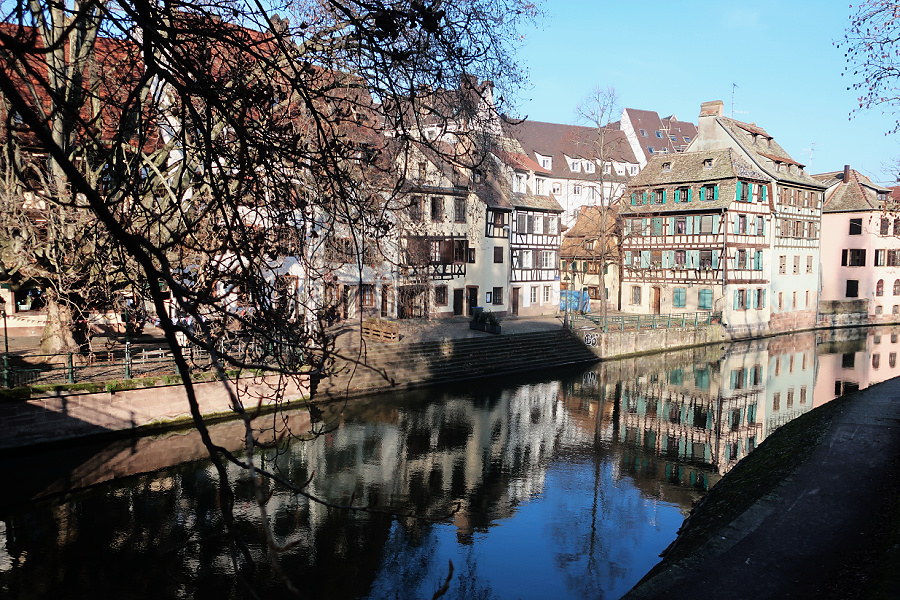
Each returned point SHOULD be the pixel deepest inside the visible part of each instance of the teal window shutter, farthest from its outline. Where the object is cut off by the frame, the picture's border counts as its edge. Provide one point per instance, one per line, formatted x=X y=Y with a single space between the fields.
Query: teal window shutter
x=715 y=261
x=737 y=305
x=664 y=196
x=715 y=224
x=628 y=257
x=693 y=259
x=763 y=299
x=696 y=223
x=702 y=194
x=633 y=198
x=672 y=225
x=751 y=299
x=737 y=191
x=689 y=226
x=677 y=196
x=757 y=263
x=715 y=192
x=762 y=196
x=689 y=190
x=644 y=198
x=749 y=192
x=645 y=259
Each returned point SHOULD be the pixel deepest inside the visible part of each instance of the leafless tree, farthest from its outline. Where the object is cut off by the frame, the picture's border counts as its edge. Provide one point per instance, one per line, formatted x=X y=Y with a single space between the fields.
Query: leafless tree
x=870 y=47
x=207 y=148
x=604 y=144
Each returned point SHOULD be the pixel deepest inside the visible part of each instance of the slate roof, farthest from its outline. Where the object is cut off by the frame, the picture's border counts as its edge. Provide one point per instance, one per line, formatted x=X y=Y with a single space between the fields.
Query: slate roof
x=688 y=168
x=651 y=123
x=507 y=151
x=558 y=141
x=764 y=149
x=521 y=162
x=858 y=193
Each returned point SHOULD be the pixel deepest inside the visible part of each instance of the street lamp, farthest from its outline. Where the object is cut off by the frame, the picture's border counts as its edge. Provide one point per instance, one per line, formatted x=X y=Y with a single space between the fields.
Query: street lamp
x=5 y=352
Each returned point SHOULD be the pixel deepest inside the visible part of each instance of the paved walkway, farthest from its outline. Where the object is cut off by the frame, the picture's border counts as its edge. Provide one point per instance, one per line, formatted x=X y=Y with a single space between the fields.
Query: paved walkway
x=347 y=332
x=831 y=530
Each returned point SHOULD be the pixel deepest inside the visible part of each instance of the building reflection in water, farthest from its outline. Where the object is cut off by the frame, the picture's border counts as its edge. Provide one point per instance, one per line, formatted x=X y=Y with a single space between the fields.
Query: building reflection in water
x=573 y=484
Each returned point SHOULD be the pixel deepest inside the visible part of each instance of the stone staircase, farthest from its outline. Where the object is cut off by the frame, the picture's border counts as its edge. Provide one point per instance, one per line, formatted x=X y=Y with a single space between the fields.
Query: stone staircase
x=384 y=366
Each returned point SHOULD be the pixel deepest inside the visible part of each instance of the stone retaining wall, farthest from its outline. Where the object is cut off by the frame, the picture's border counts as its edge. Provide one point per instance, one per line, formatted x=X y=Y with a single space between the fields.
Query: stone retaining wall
x=613 y=344
x=54 y=418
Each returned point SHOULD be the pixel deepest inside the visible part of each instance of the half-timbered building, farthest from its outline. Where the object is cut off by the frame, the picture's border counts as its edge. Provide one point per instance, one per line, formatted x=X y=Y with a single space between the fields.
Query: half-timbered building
x=534 y=235
x=696 y=238
x=453 y=243
x=797 y=204
x=589 y=257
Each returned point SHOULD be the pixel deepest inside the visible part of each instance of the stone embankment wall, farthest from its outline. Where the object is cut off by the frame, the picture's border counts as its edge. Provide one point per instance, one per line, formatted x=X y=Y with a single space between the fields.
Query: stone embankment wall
x=613 y=344
x=69 y=416
x=844 y=313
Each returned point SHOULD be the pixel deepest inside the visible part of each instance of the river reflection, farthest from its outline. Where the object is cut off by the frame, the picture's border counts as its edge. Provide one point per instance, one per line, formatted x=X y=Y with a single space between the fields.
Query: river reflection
x=545 y=488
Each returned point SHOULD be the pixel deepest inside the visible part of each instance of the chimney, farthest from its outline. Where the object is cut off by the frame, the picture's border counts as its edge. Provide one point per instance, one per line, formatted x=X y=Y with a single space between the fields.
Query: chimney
x=716 y=108
x=846 y=173
x=707 y=125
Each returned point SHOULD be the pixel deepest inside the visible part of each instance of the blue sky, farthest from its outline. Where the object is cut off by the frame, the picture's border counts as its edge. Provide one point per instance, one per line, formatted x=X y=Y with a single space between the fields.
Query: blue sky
x=670 y=57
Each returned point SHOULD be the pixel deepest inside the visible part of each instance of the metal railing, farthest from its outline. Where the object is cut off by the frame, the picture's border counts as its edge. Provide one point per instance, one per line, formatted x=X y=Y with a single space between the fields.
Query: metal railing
x=620 y=322
x=129 y=362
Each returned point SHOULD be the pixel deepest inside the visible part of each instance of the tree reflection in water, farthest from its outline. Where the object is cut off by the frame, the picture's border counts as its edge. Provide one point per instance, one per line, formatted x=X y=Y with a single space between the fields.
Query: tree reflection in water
x=566 y=487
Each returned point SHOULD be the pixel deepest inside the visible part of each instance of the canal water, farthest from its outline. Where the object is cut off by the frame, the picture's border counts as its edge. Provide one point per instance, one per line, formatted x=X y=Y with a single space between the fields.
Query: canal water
x=566 y=485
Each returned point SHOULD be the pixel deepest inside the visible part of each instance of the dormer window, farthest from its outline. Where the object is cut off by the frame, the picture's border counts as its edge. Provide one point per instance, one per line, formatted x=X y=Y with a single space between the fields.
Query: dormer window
x=607 y=168
x=588 y=167
x=650 y=149
x=477 y=176
x=643 y=133
x=557 y=189
x=667 y=166
x=575 y=166
x=659 y=134
x=545 y=161
x=519 y=183
x=687 y=140
x=707 y=163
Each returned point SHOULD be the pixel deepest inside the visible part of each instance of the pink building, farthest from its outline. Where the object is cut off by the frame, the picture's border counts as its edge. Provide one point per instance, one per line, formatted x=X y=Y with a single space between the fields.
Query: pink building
x=861 y=259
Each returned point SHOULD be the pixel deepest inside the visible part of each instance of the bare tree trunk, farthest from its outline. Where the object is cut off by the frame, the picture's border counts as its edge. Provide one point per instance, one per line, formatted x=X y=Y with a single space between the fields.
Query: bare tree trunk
x=58 y=337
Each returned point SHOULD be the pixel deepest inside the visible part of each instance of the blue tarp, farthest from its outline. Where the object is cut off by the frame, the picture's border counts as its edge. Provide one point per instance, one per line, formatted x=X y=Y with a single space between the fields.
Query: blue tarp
x=580 y=301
